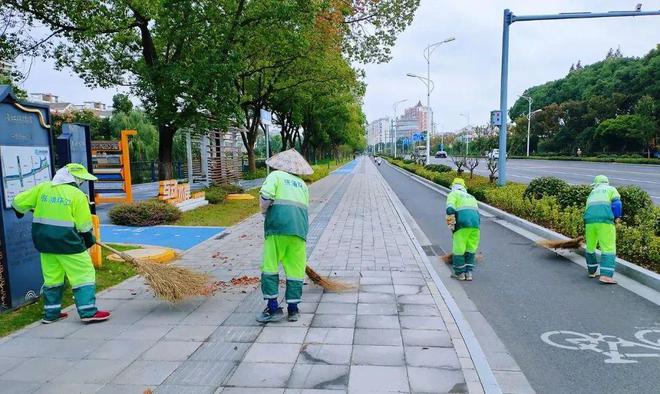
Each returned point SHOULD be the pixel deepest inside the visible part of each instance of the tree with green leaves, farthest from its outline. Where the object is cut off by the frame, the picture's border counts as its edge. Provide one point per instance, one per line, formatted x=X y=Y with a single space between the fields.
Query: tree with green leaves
x=121 y=104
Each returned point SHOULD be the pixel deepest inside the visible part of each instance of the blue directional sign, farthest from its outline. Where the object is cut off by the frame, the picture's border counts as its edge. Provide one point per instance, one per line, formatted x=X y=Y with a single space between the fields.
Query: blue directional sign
x=417 y=137
x=406 y=141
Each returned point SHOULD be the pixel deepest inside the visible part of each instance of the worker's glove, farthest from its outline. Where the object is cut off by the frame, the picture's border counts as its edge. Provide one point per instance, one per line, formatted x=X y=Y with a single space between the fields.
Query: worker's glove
x=18 y=214
x=88 y=239
x=451 y=222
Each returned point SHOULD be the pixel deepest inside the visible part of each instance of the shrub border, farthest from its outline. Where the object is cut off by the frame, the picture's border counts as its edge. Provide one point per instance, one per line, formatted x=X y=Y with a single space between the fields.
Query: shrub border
x=639 y=274
x=623 y=160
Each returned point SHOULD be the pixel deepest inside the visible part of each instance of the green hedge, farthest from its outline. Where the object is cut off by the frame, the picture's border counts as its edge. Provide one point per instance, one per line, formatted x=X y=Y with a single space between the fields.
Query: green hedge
x=560 y=206
x=606 y=159
x=216 y=194
x=144 y=213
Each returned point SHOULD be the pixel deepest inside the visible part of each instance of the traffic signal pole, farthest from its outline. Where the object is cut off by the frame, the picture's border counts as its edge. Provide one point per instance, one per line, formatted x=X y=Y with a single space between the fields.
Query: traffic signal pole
x=510 y=18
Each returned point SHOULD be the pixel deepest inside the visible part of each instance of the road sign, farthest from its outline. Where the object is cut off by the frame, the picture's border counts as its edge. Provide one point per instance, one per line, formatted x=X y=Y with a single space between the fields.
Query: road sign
x=417 y=137
x=496 y=118
x=406 y=141
x=266 y=117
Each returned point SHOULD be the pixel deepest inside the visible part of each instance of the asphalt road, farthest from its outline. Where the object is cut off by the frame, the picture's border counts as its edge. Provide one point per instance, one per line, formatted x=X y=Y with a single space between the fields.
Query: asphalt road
x=524 y=291
x=645 y=176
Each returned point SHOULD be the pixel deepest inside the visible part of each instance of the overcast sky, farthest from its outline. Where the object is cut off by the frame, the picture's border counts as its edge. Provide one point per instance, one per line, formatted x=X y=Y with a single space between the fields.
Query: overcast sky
x=466 y=72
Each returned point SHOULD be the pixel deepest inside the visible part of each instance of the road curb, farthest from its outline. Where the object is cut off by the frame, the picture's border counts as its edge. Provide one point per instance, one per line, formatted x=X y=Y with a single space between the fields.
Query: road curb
x=485 y=373
x=639 y=274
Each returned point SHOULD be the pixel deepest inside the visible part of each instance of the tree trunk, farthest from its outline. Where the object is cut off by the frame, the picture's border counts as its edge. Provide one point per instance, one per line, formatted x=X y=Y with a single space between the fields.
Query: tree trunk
x=252 y=161
x=165 y=143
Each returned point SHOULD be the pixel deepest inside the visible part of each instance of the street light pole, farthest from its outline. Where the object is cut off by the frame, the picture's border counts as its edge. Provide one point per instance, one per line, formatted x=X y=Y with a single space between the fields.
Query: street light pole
x=429 y=128
x=393 y=128
x=467 y=140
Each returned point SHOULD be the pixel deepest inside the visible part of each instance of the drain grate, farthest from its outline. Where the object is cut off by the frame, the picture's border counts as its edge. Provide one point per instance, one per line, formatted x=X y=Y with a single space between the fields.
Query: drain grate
x=428 y=249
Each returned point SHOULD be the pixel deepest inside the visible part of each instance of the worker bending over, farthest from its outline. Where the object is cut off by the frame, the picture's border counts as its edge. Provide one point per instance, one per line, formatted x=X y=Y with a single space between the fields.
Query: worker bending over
x=463 y=220
x=62 y=233
x=603 y=208
x=284 y=201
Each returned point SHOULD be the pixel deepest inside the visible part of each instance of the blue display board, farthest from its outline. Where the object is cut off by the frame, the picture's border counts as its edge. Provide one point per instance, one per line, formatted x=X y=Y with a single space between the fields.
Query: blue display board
x=26 y=159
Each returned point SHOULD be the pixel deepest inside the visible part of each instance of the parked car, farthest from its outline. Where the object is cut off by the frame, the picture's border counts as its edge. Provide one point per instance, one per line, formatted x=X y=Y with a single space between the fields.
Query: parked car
x=440 y=154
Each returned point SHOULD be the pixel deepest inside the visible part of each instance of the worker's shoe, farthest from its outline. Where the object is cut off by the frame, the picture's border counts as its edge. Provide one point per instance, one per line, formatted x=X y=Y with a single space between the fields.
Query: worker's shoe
x=293 y=313
x=99 y=316
x=606 y=280
x=594 y=275
x=468 y=276
x=270 y=315
x=460 y=276
x=62 y=317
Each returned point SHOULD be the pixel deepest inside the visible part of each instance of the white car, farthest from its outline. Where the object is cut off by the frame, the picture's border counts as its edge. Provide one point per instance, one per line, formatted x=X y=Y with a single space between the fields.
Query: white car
x=494 y=154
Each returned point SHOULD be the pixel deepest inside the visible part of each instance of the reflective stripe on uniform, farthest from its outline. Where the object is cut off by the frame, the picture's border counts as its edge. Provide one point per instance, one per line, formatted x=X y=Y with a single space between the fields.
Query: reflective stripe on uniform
x=289 y=202
x=57 y=306
x=53 y=222
x=88 y=306
x=606 y=269
x=295 y=279
x=83 y=285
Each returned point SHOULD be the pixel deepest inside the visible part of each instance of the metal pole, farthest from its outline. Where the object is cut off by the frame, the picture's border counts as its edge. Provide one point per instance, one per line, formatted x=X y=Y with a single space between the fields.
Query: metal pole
x=503 y=92
x=529 y=121
x=428 y=105
x=267 y=148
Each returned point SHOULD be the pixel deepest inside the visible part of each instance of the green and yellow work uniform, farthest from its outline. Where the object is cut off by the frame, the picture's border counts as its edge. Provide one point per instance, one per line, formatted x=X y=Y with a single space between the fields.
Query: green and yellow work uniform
x=285 y=226
x=62 y=233
x=466 y=233
x=603 y=207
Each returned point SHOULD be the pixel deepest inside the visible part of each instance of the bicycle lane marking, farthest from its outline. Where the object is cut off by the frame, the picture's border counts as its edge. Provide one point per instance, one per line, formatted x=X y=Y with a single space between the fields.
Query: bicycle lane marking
x=594 y=342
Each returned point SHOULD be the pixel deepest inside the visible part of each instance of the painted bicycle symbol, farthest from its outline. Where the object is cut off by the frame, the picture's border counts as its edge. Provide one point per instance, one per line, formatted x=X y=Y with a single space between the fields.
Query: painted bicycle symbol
x=617 y=350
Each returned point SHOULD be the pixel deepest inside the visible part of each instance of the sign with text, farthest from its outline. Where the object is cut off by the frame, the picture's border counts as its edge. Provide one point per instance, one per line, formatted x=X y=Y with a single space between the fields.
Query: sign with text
x=177 y=194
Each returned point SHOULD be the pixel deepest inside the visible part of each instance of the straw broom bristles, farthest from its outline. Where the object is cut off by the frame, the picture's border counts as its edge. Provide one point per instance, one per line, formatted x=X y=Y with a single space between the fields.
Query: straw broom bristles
x=169 y=282
x=327 y=283
x=574 y=243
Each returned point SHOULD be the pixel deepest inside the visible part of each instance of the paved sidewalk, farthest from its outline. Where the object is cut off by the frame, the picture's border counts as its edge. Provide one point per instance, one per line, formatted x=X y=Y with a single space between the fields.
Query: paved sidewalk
x=392 y=334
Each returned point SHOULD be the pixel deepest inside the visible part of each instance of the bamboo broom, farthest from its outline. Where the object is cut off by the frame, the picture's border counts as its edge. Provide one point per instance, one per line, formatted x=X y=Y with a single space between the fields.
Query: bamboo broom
x=574 y=243
x=169 y=282
x=327 y=283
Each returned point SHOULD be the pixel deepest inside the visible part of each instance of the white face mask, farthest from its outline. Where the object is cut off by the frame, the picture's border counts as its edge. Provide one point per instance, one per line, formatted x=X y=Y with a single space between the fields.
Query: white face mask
x=79 y=181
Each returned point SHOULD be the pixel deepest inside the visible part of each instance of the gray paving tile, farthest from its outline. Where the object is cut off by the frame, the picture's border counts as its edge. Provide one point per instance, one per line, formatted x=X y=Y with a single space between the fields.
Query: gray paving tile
x=383 y=337
x=269 y=375
x=147 y=372
x=340 y=297
x=313 y=391
x=435 y=380
x=340 y=336
x=308 y=307
x=242 y=319
x=325 y=354
x=332 y=321
x=382 y=289
x=341 y=308
x=15 y=387
x=69 y=388
x=206 y=318
x=37 y=370
x=7 y=363
x=416 y=299
x=376 y=280
x=436 y=357
x=235 y=334
x=221 y=351
x=304 y=320
x=112 y=388
x=423 y=322
x=146 y=333
x=122 y=349
x=250 y=390
x=377 y=379
x=418 y=281
x=99 y=331
x=180 y=389
x=190 y=333
x=377 y=309
x=418 y=310
x=275 y=334
x=319 y=376
x=171 y=351
x=49 y=347
x=377 y=321
x=60 y=329
x=426 y=338
x=272 y=353
x=377 y=355
x=376 y=298
x=202 y=373
x=93 y=371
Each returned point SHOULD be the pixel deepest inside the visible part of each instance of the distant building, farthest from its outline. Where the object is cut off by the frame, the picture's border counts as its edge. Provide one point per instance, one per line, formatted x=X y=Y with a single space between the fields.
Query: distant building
x=378 y=132
x=57 y=106
x=420 y=114
x=5 y=69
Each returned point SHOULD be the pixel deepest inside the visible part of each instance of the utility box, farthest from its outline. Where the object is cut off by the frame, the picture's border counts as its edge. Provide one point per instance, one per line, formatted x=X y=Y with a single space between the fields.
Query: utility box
x=26 y=160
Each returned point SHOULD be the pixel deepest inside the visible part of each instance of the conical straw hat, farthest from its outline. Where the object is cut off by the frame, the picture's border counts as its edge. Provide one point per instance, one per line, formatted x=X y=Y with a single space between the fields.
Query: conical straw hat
x=290 y=161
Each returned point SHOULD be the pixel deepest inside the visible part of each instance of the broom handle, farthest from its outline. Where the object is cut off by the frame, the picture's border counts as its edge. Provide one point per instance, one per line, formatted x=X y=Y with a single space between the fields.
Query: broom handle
x=101 y=244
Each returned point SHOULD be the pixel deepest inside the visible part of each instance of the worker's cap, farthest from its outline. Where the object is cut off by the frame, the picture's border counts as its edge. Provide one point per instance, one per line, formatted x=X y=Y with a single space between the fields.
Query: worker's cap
x=79 y=171
x=458 y=181
x=601 y=179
